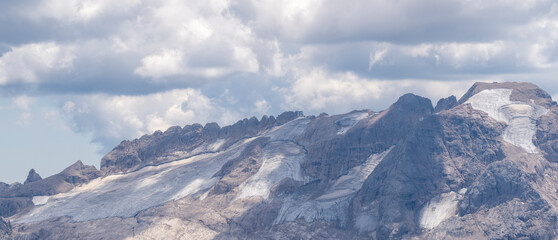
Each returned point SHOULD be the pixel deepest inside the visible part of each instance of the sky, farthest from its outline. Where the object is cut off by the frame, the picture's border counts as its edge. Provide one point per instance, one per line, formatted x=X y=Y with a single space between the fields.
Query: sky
x=78 y=77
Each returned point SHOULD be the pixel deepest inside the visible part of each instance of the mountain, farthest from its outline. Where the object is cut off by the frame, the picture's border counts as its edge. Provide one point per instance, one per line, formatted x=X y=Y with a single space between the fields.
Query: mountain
x=19 y=197
x=481 y=167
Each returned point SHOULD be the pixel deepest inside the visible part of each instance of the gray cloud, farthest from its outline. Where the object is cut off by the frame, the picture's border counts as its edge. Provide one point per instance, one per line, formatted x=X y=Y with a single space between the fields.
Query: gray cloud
x=250 y=57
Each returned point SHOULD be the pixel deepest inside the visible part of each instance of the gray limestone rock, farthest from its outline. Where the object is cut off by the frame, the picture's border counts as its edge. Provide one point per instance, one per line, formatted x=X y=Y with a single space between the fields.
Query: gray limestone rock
x=4 y=186
x=178 y=143
x=32 y=177
x=5 y=229
x=72 y=176
x=546 y=137
x=445 y=104
x=18 y=197
x=12 y=205
x=331 y=154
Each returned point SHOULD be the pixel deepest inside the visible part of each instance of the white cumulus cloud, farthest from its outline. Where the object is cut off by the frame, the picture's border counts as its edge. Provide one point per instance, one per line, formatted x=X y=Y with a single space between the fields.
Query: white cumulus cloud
x=113 y=118
x=27 y=62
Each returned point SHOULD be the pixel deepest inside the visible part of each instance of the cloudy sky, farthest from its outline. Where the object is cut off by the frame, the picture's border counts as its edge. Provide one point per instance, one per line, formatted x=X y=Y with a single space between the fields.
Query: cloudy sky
x=79 y=76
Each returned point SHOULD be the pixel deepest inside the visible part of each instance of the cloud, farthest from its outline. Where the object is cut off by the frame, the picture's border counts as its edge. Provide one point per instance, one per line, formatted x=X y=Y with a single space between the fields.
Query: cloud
x=394 y=21
x=113 y=118
x=23 y=102
x=143 y=46
x=24 y=119
x=28 y=62
x=320 y=90
x=77 y=11
x=261 y=107
x=122 y=69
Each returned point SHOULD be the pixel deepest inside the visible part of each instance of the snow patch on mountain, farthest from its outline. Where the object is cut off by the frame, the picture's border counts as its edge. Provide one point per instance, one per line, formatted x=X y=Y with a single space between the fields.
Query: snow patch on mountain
x=288 y=131
x=521 y=117
x=280 y=160
x=40 y=200
x=125 y=195
x=439 y=209
x=333 y=204
x=205 y=148
x=349 y=121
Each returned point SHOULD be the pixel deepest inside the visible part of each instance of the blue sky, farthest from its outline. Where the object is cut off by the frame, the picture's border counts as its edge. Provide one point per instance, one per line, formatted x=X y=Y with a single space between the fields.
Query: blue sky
x=77 y=77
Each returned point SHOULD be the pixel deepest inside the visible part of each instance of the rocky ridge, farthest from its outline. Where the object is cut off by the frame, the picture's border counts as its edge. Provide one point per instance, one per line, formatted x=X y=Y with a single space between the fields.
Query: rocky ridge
x=18 y=197
x=483 y=167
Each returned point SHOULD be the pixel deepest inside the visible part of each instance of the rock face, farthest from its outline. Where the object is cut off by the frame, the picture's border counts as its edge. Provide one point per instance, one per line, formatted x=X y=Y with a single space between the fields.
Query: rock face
x=19 y=197
x=177 y=142
x=32 y=177
x=5 y=229
x=483 y=167
x=445 y=104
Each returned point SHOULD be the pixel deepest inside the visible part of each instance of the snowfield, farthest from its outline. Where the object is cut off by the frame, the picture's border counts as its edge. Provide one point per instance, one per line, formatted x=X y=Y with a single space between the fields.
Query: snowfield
x=348 y=122
x=126 y=195
x=333 y=204
x=521 y=117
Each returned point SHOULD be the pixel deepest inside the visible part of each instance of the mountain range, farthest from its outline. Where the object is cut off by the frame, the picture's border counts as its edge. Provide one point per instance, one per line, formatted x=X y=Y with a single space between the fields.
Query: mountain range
x=481 y=167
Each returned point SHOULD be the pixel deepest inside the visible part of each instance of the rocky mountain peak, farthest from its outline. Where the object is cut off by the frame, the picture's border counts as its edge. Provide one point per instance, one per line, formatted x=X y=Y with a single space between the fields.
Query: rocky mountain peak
x=522 y=92
x=181 y=142
x=445 y=104
x=32 y=177
x=4 y=186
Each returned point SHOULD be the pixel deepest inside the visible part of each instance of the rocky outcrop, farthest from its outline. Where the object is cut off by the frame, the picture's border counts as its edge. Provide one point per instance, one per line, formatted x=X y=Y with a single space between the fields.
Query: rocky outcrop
x=236 y=171
x=445 y=104
x=5 y=229
x=331 y=152
x=32 y=177
x=178 y=143
x=18 y=197
x=546 y=137
x=9 y=206
x=74 y=175
x=4 y=186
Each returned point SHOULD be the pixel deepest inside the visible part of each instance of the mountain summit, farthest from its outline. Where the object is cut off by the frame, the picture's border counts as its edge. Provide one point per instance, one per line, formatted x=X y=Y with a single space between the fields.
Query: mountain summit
x=482 y=167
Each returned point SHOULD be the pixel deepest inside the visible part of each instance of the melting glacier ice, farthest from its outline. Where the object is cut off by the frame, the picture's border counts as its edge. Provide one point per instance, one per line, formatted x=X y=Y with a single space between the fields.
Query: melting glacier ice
x=439 y=209
x=127 y=194
x=40 y=200
x=521 y=117
x=333 y=204
x=350 y=121
x=280 y=160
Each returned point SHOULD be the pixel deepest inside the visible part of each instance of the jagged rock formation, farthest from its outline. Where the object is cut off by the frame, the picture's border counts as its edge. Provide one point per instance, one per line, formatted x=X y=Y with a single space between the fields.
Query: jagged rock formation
x=179 y=142
x=32 y=177
x=5 y=229
x=483 y=167
x=22 y=196
x=445 y=104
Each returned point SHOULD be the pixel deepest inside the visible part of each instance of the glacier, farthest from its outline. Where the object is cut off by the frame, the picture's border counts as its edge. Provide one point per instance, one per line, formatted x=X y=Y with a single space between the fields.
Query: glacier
x=348 y=122
x=334 y=203
x=281 y=159
x=125 y=195
x=440 y=208
x=521 y=117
